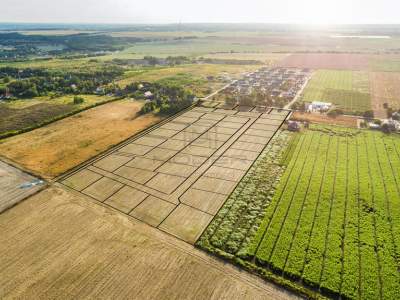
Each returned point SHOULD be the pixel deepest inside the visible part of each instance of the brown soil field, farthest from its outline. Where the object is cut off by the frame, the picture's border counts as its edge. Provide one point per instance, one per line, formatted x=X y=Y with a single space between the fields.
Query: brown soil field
x=326 y=61
x=51 y=150
x=60 y=245
x=385 y=88
x=323 y=119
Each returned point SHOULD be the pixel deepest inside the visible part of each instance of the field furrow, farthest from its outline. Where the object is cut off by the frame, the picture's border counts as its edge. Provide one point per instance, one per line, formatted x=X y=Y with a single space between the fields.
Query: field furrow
x=332 y=224
x=301 y=240
x=331 y=275
x=266 y=247
x=351 y=262
x=314 y=258
x=370 y=269
x=288 y=229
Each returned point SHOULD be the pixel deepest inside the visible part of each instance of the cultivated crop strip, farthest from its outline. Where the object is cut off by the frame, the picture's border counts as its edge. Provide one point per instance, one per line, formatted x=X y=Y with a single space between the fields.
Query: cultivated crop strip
x=333 y=223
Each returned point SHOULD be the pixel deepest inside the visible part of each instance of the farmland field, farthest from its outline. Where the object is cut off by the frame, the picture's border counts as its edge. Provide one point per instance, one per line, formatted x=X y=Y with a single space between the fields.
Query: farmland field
x=327 y=61
x=59 y=245
x=385 y=88
x=23 y=114
x=318 y=118
x=348 y=90
x=55 y=148
x=385 y=63
x=332 y=222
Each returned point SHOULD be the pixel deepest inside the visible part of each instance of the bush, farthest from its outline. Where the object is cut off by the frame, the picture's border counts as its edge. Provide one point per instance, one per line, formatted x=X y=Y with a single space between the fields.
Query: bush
x=378 y=122
x=148 y=107
x=332 y=114
x=369 y=114
x=335 y=112
x=78 y=100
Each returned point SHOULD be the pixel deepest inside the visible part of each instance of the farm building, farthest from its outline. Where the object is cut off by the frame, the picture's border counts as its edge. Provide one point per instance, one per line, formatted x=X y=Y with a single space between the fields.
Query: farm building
x=319 y=106
x=294 y=126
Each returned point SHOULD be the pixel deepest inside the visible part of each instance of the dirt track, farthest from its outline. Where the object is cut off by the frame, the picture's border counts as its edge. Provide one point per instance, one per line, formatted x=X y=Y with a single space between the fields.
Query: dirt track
x=60 y=245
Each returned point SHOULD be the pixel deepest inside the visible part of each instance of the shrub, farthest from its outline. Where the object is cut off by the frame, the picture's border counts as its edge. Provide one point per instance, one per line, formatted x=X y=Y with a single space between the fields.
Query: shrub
x=369 y=114
x=78 y=100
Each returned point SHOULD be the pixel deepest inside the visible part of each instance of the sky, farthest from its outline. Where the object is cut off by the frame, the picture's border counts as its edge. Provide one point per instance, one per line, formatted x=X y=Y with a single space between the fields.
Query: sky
x=202 y=11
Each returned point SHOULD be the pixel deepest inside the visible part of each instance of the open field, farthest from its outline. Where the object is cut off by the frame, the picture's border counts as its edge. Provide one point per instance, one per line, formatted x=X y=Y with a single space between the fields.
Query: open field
x=203 y=42
x=385 y=88
x=193 y=76
x=327 y=61
x=14 y=186
x=176 y=176
x=267 y=58
x=18 y=115
x=55 y=148
x=318 y=118
x=348 y=90
x=59 y=245
x=333 y=221
x=385 y=63
x=53 y=63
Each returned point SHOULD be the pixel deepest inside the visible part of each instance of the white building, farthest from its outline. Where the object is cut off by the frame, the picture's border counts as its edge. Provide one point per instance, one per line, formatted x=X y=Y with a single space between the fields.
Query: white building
x=319 y=106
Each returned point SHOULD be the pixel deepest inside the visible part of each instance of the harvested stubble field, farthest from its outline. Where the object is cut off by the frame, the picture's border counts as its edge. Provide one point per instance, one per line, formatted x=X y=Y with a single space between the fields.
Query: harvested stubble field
x=53 y=149
x=327 y=61
x=348 y=90
x=59 y=245
x=333 y=221
x=385 y=88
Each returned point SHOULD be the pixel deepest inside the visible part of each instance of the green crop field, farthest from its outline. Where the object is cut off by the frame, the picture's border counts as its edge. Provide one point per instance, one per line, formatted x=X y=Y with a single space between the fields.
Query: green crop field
x=332 y=222
x=348 y=90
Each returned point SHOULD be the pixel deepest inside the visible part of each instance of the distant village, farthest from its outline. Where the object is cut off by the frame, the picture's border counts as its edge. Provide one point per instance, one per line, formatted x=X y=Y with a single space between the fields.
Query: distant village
x=274 y=87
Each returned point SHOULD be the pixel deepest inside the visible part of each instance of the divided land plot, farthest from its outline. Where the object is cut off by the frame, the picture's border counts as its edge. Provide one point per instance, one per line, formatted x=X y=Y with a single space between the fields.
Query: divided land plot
x=15 y=186
x=332 y=224
x=348 y=90
x=327 y=61
x=385 y=89
x=178 y=174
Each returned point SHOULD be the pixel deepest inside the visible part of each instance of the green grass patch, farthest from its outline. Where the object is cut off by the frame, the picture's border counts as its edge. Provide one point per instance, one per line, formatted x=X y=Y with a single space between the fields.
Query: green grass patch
x=348 y=90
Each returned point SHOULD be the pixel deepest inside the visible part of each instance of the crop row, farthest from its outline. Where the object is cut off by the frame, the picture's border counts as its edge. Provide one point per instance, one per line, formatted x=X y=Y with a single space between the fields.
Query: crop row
x=333 y=222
